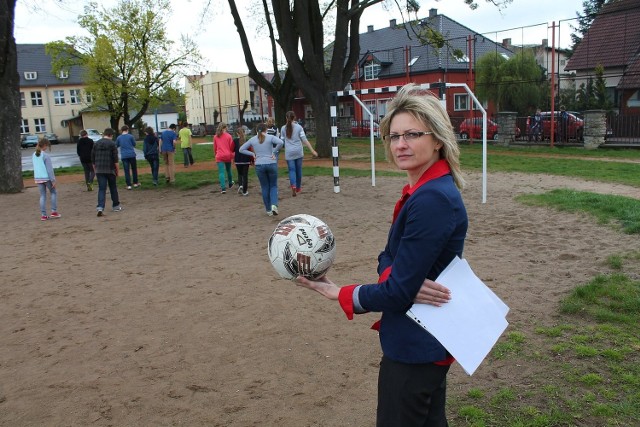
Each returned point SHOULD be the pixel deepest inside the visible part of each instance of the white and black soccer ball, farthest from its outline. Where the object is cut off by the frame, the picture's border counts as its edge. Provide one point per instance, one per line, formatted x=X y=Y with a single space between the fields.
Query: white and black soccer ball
x=301 y=245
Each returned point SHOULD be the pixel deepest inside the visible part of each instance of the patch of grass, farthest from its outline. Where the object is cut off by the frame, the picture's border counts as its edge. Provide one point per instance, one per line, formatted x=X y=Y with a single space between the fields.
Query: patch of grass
x=473 y=415
x=607 y=209
x=554 y=331
x=614 y=262
x=585 y=351
x=571 y=162
x=475 y=393
x=607 y=298
x=512 y=345
x=591 y=379
x=503 y=396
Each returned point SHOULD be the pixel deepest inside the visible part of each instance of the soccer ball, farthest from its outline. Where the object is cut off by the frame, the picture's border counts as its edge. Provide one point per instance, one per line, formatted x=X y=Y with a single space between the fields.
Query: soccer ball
x=301 y=245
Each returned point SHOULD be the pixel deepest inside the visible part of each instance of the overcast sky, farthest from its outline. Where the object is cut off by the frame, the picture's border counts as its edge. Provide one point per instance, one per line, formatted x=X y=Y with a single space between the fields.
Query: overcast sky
x=529 y=22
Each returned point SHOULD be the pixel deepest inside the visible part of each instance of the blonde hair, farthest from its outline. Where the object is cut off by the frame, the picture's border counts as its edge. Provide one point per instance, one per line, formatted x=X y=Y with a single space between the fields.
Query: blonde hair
x=221 y=127
x=270 y=121
x=240 y=133
x=43 y=143
x=426 y=108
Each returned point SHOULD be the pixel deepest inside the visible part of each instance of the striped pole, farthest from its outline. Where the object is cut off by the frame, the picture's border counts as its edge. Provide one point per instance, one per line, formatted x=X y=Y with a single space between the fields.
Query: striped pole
x=334 y=143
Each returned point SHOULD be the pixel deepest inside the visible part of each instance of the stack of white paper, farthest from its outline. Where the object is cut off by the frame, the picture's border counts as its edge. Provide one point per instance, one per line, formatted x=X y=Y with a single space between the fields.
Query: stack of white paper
x=469 y=325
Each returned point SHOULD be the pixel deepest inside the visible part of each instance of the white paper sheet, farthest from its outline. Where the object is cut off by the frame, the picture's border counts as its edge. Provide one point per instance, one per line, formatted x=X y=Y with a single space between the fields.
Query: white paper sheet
x=469 y=325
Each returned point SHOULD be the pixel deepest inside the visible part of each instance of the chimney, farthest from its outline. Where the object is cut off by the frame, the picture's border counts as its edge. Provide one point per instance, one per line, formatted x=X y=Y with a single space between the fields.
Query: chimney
x=369 y=28
x=545 y=42
x=392 y=23
x=433 y=12
x=506 y=42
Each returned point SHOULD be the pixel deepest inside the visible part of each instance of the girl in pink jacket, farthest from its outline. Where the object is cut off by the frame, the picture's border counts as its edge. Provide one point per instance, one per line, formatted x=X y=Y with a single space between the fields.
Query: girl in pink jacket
x=223 y=149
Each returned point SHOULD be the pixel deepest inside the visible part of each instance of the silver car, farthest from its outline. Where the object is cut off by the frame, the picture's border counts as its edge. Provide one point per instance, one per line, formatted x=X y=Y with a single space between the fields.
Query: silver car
x=94 y=134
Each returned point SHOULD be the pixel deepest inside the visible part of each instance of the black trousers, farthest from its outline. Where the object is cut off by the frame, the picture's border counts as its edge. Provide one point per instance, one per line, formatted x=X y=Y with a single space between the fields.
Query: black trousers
x=411 y=395
x=243 y=176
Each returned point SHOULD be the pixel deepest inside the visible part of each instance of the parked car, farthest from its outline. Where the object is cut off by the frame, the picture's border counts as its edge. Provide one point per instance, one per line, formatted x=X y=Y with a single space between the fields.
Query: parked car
x=52 y=137
x=575 y=125
x=29 y=141
x=94 y=134
x=361 y=129
x=472 y=129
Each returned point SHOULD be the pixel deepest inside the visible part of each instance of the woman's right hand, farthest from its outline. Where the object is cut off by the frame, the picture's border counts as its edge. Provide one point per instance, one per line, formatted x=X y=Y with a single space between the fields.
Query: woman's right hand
x=322 y=285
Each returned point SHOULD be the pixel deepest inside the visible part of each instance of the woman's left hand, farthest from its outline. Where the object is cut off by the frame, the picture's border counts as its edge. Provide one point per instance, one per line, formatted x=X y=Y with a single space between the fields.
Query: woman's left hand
x=432 y=293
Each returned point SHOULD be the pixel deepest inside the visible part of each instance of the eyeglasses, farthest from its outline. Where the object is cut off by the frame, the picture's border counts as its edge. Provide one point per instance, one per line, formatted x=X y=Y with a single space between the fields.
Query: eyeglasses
x=408 y=136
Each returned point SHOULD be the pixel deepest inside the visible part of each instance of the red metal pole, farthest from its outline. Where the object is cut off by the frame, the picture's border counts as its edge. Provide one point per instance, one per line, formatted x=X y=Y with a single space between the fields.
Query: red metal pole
x=553 y=81
x=406 y=62
x=219 y=103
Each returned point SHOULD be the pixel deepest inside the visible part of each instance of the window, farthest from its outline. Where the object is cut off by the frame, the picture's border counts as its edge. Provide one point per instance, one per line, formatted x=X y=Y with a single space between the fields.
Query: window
x=371 y=106
x=460 y=102
x=463 y=58
x=382 y=108
x=229 y=82
x=23 y=102
x=163 y=125
x=346 y=109
x=74 y=96
x=36 y=99
x=40 y=125
x=63 y=74
x=634 y=100
x=30 y=75
x=413 y=60
x=371 y=71
x=24 y=126
x=58 y=97
x=89 y=96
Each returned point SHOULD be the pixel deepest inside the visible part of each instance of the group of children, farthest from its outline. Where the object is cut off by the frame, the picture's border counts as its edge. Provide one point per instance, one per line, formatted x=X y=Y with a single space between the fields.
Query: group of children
x=226 y=150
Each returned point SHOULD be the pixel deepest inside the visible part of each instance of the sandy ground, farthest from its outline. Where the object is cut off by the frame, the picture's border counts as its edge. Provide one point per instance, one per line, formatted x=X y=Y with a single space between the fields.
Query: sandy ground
x=169 y=313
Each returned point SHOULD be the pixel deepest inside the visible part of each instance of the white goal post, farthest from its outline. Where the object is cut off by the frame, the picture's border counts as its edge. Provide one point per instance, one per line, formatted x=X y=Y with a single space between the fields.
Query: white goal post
x=393 y=89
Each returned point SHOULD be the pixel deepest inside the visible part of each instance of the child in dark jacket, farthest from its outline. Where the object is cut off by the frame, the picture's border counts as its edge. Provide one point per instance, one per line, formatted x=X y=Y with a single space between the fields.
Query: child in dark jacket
x=151 y=150
x=85 y=145
x=242 y=162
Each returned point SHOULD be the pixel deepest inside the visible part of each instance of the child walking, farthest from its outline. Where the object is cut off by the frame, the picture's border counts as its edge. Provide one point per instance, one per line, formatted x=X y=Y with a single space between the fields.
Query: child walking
x=242 y=162
x=45 y=178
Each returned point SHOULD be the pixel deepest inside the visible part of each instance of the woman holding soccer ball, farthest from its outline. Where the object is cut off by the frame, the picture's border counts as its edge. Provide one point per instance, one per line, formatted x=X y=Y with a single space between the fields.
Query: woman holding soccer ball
x=428 y=231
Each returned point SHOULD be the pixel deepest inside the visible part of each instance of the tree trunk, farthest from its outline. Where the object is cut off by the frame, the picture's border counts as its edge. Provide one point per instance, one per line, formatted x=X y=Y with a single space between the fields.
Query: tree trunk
x=10 y=156
x=323 y=126
x=282 y=90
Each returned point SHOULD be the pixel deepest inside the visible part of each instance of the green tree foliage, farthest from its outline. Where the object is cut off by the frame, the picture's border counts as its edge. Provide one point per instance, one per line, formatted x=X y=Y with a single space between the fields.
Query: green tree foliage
x=489 y=78
x=128 y=58
x=593 y=94
x=523 y=77
x=514 y=84
x=600 y=90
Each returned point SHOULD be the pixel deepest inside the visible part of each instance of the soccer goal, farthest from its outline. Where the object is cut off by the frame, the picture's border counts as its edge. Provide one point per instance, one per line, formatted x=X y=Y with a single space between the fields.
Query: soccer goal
x=392 y=89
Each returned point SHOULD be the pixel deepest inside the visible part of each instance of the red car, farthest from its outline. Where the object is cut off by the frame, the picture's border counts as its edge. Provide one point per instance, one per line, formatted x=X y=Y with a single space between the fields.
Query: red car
x=362 y=129
x=574 y=126
x=472 y=129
